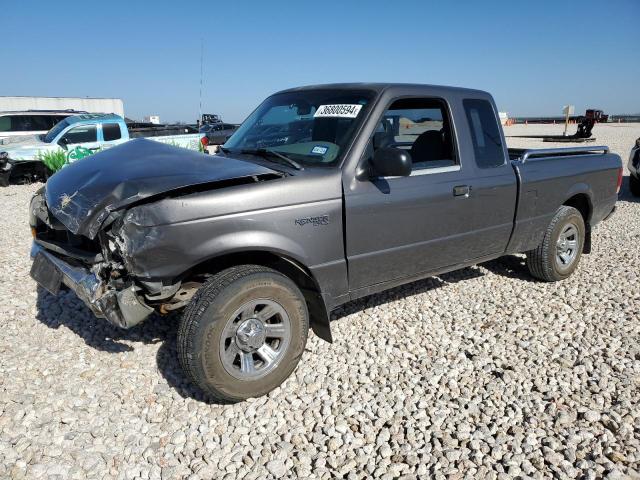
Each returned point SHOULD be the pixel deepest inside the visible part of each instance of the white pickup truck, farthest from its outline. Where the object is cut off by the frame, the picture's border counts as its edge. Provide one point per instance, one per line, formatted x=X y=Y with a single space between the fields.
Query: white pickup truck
x=21 y=158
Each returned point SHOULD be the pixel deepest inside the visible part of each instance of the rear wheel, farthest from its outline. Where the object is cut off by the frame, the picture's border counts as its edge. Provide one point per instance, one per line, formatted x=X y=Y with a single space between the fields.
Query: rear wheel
x=634 y=186
x=243 y=333
x=558 y=254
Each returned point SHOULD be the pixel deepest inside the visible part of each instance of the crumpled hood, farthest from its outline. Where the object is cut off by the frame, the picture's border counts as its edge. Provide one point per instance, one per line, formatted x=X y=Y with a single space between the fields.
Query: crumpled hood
x=83 y=194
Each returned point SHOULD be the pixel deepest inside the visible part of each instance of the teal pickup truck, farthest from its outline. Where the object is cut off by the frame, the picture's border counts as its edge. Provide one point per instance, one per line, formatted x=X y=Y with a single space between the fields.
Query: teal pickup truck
x=77 y=136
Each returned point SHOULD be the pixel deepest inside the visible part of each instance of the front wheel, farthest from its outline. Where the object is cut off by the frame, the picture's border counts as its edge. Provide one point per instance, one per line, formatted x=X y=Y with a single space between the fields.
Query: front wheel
x=243 y=333
x=558 y=254
x=634 y=186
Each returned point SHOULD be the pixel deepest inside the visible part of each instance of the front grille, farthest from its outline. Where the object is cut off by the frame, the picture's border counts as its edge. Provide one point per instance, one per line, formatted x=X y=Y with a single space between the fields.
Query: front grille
x=52 y=235
x=65 y=238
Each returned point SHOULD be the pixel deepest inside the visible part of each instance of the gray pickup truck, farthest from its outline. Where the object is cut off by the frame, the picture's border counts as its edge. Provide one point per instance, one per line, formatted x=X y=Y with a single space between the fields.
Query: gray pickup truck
x=325 y=194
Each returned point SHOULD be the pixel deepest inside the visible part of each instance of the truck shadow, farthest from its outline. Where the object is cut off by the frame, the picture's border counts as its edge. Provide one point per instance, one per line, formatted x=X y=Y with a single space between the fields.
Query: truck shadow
x=404 y=291
x=510 y=266
x=66 y=310
x=625 y=192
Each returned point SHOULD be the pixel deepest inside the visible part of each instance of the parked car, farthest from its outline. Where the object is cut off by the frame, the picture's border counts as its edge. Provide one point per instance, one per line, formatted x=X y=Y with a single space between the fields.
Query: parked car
x=218 y=133
x=31 y=122
x=21 y=157
x=325 y=194
x=634 y=169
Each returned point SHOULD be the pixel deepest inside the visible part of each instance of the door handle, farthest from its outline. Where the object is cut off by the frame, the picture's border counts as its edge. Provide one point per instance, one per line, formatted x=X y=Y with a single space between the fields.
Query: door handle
x=461 y=191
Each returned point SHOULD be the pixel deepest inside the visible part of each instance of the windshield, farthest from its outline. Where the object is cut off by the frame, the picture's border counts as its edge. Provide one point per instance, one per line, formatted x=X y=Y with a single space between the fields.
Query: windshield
x=309 y=126
x=53 y=133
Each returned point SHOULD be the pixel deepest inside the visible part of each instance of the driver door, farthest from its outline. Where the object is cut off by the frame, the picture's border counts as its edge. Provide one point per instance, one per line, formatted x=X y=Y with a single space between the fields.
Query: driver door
x=402 y=227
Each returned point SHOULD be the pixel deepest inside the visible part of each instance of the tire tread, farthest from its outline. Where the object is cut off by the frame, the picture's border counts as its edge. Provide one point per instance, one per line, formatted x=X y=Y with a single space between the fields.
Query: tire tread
x=539 y=260
x=193 y=315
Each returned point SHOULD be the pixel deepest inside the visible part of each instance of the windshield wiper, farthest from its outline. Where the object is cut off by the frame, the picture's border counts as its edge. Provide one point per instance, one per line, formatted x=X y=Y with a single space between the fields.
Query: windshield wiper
x=263 y=152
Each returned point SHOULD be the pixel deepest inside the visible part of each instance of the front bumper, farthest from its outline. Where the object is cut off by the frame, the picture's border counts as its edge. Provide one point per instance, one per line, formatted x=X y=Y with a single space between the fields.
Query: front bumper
x=122 y=308
x=5 y=171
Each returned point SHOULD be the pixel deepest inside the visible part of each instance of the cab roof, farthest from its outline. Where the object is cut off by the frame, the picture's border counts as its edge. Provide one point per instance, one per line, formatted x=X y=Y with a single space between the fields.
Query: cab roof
x=94 y=118
x=397 y=88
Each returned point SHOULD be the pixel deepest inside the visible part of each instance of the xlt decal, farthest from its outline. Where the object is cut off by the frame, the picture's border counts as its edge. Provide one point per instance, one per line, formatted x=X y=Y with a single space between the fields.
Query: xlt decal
x=315 y=221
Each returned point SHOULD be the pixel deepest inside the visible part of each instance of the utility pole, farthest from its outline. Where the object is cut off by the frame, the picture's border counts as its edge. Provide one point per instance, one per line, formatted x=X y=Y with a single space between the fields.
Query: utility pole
x=201 y=62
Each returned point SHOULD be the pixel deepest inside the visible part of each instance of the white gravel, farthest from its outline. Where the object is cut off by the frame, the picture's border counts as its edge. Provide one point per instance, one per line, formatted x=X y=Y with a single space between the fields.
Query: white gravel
x=481 y=373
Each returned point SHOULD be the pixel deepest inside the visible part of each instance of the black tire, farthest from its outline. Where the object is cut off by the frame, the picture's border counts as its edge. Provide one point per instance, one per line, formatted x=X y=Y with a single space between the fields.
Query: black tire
x=210 y=316
x=634 y=186
x=544 y=262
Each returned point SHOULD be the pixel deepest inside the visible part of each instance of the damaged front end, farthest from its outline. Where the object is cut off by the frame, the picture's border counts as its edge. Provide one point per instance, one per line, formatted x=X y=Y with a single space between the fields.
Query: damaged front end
x=87 y=237
x=123 y=308
x=87 y=267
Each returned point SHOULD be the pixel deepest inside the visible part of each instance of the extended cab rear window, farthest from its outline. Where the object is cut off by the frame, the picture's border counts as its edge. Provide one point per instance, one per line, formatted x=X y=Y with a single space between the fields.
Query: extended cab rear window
x=110 y=132
x=483 y=124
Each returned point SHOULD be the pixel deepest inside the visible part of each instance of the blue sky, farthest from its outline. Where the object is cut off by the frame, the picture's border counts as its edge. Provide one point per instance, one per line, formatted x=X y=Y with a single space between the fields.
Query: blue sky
x=532 y=56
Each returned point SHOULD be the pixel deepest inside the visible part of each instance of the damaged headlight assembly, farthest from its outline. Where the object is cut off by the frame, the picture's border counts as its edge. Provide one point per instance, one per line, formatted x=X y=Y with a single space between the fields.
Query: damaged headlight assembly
x=127 y=242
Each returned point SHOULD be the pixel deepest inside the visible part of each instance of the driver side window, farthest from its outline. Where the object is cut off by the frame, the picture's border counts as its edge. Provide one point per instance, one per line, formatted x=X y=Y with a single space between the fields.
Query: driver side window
x=421 y=126
x=80 y=134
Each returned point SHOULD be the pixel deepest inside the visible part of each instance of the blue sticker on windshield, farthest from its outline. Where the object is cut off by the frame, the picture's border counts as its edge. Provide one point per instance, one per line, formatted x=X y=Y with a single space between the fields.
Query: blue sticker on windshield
x=319 y=150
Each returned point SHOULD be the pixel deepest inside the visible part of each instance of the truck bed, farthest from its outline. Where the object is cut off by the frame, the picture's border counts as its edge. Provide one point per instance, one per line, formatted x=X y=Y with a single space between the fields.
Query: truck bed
x=523 y=154
x=584 y=176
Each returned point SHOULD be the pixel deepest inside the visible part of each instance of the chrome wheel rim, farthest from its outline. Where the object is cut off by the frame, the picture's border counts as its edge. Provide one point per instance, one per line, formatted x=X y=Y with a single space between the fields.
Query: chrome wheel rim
x=255 y=339
x=567 y=246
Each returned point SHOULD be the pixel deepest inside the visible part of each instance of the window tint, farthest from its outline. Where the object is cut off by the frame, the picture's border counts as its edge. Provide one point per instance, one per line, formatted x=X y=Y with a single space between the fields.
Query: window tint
x=82 y=134
x=28 y=123
x=483 y=124
x=22 y=123
x=40 y=122
x=5 y=124
x=111 y=131
x=422 y=127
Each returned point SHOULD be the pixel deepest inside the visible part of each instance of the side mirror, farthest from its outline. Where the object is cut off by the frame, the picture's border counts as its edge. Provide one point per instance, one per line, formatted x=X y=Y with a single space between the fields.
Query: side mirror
x=63 y=142
x=391 y=162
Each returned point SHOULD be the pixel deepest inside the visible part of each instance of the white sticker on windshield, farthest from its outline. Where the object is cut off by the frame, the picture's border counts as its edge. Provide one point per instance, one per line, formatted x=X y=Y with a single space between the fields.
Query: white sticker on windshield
x=342 y=110
x=319 y=150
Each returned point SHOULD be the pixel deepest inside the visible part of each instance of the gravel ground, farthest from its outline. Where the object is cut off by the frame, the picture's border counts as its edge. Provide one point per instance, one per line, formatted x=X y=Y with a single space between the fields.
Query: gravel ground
x=481 y=373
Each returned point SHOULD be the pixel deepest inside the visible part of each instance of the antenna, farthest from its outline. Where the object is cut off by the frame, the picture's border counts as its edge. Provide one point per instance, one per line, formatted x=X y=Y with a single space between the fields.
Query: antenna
x=201 y=61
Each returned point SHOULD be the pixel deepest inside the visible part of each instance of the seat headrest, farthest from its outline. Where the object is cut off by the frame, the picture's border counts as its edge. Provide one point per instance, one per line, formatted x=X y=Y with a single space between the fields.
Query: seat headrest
x=428 y=146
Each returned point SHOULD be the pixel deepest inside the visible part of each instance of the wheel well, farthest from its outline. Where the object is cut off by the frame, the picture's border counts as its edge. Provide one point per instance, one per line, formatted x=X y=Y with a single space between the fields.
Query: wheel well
x=582 y=203
x=298 y=273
